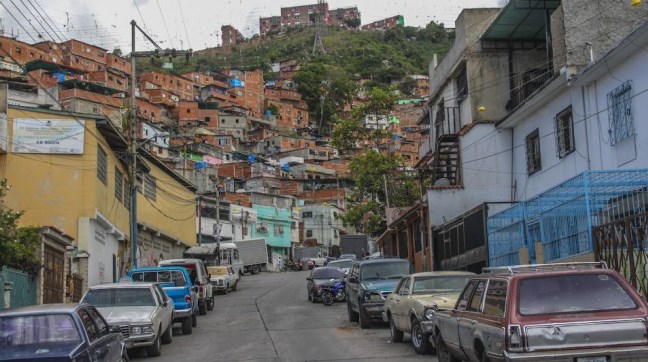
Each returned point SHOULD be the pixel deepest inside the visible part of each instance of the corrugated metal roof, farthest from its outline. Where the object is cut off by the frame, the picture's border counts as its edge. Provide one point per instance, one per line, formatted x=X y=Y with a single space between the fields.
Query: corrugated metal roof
x=521 y=20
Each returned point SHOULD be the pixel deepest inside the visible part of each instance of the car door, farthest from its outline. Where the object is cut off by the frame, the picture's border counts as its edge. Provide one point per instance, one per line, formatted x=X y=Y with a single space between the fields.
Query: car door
x=100 y=347
x=450 y=329
x=470 y=320
x=492 y=330
x=352 y=285
x=166 y=307
x=397 y=297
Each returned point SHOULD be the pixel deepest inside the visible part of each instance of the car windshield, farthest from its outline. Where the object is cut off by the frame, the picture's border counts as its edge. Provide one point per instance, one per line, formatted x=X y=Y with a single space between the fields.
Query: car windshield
x=120 y=297
x=38 y=329
x=440 y=284
x=572 y=294
x=341 y=263
x=160 y=276
x=385 y=270
x=328 y=273
x=214 y=270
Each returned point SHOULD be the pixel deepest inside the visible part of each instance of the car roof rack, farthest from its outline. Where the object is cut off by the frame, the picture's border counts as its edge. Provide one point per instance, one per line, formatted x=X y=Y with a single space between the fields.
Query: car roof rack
x=512 y=269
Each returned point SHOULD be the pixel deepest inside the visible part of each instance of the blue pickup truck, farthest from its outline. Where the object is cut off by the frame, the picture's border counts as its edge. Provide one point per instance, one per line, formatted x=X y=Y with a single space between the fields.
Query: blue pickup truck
x=177 y=284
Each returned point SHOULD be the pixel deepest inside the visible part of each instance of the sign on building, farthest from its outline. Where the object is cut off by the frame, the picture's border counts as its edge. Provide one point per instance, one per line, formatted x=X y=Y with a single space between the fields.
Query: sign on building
x=57 y=136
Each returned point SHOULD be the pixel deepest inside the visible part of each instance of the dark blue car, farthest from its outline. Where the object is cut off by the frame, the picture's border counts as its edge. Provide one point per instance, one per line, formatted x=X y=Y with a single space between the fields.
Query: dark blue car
x=59 y=332
x=177 y=284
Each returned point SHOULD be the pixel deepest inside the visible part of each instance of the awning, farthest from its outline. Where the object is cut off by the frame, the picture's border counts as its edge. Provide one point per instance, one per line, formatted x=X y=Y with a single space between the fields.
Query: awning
x=521 y=20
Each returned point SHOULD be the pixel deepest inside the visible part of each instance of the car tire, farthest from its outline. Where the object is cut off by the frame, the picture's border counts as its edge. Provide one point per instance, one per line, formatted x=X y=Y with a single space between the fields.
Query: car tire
x=363 y=318
x=210 y=304
x=187 y=325
x=124 y=357
x=194 y=321
x=202 y=308
x=255 y=269
x=156 y=349
x=396 y=335
x=443 y=354
x=167 y=337
x=484 y=357
x=226 y=289
x=235 y=287
x=353 y=315
x=420 y=340
x=310 y=295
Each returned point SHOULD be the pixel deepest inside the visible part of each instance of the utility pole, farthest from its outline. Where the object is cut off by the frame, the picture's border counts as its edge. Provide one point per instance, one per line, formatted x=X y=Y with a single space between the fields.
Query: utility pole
x=133 y=147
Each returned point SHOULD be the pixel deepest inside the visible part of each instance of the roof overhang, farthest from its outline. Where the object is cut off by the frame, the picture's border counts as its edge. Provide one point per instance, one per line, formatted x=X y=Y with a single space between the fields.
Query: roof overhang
x=521 y=20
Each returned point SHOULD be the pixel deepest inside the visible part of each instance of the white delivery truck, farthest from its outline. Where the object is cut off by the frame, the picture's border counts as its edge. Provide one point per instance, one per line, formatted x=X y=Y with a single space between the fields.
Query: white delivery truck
x=253 y=254
x=229 y=255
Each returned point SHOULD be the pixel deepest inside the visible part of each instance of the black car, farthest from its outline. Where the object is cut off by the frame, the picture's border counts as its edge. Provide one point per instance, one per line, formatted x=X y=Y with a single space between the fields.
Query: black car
x=321 y=276
x=368 y=285
x=59 y=332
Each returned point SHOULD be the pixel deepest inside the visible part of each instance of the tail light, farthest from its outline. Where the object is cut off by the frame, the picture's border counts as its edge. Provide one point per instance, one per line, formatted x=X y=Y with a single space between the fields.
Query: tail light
x=514 y=339
x=187 y=299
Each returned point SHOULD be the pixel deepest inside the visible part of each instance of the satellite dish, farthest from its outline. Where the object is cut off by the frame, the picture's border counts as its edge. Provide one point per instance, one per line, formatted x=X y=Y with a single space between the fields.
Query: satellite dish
x=442 y=182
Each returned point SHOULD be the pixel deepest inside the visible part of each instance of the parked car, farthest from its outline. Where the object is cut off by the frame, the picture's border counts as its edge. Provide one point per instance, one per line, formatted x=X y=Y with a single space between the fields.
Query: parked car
x=404 y=307
x=560 y=312
x=223 y=278
x=59 y=332
x=368 y=285
x=199 y=277
x=348 y=256
x=344 y=264
x=176 y=283
x=319 y=277
x=142 y=311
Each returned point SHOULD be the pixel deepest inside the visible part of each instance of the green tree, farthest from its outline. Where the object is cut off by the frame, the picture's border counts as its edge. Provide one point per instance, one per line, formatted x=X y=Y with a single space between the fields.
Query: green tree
x=18 y=246
x=345 y=134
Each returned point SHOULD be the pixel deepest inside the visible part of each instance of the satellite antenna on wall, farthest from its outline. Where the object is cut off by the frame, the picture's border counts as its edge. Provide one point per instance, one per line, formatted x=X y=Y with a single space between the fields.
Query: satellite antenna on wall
x=442 y=182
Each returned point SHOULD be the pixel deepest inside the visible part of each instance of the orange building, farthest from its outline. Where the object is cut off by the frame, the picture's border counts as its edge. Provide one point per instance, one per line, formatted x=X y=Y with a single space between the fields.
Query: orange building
x=180 y=86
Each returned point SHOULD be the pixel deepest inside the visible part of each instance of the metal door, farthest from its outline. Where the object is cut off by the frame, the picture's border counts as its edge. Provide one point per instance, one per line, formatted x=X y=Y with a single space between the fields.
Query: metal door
x=53 y=273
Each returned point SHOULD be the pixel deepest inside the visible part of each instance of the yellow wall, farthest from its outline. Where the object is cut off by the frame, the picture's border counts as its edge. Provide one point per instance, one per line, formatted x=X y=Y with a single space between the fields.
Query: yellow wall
x=173 y=212
x=57 y=189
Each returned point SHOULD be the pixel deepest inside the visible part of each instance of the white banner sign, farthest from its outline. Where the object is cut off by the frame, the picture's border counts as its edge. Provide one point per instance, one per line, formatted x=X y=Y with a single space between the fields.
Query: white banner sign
x=60 y=136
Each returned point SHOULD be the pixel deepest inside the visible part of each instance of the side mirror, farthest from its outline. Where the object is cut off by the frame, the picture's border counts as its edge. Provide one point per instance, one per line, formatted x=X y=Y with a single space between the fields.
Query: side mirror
x=309 y=279
x=353 y=279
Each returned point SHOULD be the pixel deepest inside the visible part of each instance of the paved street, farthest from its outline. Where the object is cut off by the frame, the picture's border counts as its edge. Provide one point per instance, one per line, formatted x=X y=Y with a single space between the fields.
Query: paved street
x=270 y=319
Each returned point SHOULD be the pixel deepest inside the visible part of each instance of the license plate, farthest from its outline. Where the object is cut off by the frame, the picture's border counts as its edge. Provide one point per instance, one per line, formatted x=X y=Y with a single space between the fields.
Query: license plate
x=592 y=359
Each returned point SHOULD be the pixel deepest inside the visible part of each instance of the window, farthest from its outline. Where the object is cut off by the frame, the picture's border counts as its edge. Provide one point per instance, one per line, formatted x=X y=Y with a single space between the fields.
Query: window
x=564 y=132
x=533 y=152
x=495 y=303
x=620 y=113
x=18 y=50
x=96 y=110
x=119 y=184
x=102 y=165
x=462 y=85
x=307 y=214
x=101 y=324
x=150 y=188
x=462 y=303
x=475 y=302
x=89 y=325
x=309 y=233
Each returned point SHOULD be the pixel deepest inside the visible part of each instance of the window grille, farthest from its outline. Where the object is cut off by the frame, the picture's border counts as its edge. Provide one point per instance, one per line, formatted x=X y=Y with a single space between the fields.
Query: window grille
x=102 y=165
x=564 y=124
x=620 y=113
x=119 y=185
x=533 y=152
x=462 y=85
x=150 y=188
x=309 y=233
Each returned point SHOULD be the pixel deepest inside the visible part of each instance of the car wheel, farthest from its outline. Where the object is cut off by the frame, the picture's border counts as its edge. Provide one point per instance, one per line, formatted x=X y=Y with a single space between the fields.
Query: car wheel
x=363 y=318
x=124 y=356
x=202 y=308
x=235 y=287
x=396 y=335
x=353 y=316
x=226 y=289
x=443 y=354
x=420 y=340
x=194 y=321
x=210 y=303
x=310 y=295
x=255 y=269
x=167 y=337
x=484 y=357
x=156 y=349
x=187 y=325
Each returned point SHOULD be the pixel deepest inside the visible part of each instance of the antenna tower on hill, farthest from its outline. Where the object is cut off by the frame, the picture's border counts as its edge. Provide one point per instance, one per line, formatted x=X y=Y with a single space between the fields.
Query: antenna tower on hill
x=320 y=23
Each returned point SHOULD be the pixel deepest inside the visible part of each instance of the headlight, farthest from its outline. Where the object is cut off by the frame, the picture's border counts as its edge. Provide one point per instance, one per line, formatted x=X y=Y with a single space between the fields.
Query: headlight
x=429 y=312
x=372 y=297
x=148 y=329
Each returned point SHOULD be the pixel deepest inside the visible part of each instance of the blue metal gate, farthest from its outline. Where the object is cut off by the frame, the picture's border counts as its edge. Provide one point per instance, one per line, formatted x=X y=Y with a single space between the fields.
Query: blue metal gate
x=23 y=287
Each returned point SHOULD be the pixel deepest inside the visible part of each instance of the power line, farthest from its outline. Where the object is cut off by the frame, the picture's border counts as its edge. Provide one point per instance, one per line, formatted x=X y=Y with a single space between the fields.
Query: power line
x=141 y=17
x=40 y=36
x=44 y=20
x=165 y=24
x=53 y=22
x=185 y=25
x=18 y=22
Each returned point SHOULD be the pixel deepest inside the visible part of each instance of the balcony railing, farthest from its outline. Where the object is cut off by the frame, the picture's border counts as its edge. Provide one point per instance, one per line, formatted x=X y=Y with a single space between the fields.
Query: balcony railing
x=526 y=84
x=447 y=121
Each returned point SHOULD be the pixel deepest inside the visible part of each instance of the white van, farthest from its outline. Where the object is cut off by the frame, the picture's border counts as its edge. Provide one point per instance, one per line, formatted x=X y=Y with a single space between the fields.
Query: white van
x=229 y=255
x=198 y=273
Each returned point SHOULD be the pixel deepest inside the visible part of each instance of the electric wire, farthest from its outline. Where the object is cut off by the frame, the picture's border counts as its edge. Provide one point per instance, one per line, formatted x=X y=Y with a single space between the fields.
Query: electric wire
x=36 y=18
x=18 y=22
x=164 y=22
x=184 y=23
x=40 y=36
x=58 y=31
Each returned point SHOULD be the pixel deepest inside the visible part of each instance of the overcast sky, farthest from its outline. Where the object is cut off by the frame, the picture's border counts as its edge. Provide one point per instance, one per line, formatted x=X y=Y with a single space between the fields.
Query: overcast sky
x=184 y=24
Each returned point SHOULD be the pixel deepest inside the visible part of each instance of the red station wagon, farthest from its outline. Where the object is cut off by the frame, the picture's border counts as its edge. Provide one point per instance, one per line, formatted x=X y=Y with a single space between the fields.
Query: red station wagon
x=572 y=312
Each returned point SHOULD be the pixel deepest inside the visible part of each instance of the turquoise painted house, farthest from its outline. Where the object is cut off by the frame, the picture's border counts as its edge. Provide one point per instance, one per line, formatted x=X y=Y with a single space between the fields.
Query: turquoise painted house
x=274 y=224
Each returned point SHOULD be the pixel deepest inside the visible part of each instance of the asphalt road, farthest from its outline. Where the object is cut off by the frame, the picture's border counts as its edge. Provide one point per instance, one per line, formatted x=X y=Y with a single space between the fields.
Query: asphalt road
x=270 y=319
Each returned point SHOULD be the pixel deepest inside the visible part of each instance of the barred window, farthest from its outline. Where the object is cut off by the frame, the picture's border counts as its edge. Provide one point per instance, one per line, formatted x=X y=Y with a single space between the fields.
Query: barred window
x=564 y=124
x=102 y=165
x=309 y=233
x=533 y=152
x=462 y=85
x=119 y=185
x=620 y=113
x=150 y=188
